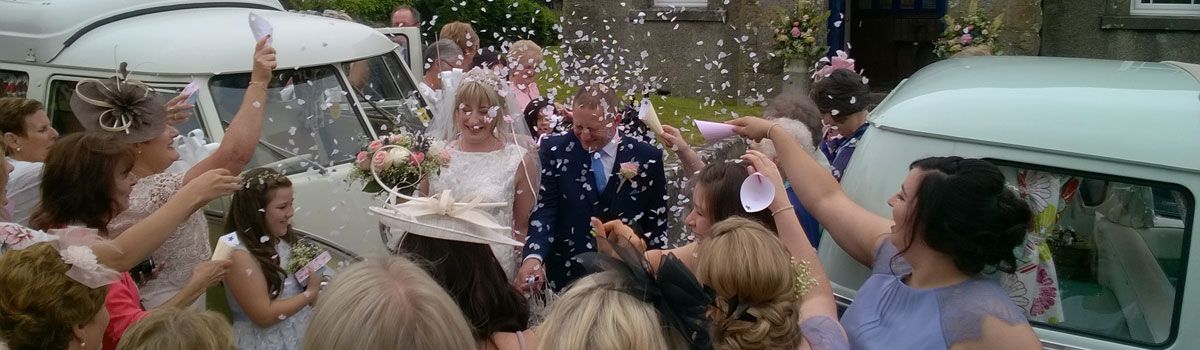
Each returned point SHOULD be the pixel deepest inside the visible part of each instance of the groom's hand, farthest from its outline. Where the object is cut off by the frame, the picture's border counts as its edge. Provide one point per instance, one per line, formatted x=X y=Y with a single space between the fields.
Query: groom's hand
x=531 y=277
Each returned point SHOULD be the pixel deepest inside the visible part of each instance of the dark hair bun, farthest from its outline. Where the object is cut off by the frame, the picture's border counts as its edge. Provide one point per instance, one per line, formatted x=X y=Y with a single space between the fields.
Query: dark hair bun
x=843 y=91
x=965 y=211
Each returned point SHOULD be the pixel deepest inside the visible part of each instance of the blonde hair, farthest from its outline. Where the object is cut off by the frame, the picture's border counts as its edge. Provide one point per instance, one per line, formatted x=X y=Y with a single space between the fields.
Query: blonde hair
x=41 y=305
x=743 y=259
x=174 y=328
x=595 y=314
x=462 y=34
x=525 y=52
x=387 y=303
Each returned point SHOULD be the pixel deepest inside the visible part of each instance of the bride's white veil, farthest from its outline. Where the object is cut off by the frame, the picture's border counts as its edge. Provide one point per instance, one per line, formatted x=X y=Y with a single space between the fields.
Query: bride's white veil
x=511 y=128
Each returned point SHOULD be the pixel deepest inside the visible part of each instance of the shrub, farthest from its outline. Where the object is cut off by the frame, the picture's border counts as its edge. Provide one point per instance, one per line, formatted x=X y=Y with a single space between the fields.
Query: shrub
x=496 y=21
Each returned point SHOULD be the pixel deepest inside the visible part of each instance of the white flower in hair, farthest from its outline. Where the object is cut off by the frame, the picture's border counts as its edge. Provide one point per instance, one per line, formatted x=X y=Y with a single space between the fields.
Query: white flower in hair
x=80 y=257
x=485 y=77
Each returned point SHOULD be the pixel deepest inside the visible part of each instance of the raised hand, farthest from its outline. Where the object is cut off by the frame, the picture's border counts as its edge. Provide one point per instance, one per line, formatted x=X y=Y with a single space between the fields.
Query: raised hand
x=615 y=230
x=264 y=62
x=210 y=185
x=754 y=128
x=672 y=138
x=178 y=110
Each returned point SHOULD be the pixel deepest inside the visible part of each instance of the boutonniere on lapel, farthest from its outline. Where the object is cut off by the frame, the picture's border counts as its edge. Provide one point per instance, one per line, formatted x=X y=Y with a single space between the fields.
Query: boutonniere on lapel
x=628 y=171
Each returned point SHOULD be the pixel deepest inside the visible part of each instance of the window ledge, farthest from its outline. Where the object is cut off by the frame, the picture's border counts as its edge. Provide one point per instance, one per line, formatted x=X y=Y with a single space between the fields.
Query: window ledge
x=667 y=14
x=1150 y=23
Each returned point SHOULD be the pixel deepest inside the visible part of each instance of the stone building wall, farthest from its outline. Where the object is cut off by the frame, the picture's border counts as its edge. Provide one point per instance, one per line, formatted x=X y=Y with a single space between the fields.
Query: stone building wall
x=719 y=52
x=1106 y=29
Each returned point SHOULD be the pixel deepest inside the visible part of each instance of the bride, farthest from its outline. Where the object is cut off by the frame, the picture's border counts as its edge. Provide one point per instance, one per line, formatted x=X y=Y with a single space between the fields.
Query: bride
x=491 y=154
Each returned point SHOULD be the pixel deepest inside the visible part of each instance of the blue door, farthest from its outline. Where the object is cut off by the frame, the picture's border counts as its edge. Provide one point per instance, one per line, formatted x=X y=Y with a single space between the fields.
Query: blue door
x=889 y=39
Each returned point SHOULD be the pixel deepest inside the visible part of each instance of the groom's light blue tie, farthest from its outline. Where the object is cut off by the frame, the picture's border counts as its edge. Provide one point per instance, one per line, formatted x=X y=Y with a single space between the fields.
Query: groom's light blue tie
x=598 y=170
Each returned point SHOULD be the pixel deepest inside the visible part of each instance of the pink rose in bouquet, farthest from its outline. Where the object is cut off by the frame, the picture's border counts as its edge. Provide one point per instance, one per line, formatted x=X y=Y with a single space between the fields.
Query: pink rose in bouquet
x=381 y=160
x=795 y=32
x=362 y=160
x=966 y=39
x=374 y=145
x=417 y=158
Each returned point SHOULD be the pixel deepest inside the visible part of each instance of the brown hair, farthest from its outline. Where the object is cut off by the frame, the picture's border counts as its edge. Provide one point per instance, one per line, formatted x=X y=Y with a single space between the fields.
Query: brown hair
x=173 y=328
x=744 y=262
x=387 y=303
x=247 y=219
x=842 y=91
x=597 y=96
x=78 y=182
x=13 y=111
x=723 y=181
x=41 y=305
x=462 y=34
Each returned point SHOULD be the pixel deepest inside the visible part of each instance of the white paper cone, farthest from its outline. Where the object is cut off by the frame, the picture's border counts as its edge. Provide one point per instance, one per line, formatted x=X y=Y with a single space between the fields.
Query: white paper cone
x=757 y=192
x=260 y=28
x=650 y=117
x=223 y=251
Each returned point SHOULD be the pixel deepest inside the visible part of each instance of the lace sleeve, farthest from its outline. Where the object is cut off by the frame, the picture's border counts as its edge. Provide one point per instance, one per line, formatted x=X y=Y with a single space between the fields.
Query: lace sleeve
x=823 y=333
x=964 y=307
x=888 y=260
x=149 y=194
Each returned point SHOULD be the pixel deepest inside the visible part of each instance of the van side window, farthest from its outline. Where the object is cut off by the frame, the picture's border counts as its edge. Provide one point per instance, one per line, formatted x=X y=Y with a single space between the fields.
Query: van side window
x=1105 y=256
x=387 y=94
x=13 y=83
x=309 y=124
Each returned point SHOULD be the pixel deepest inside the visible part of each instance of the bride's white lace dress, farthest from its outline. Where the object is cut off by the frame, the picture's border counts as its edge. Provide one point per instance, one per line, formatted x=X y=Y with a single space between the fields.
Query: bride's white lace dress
x=490 y=175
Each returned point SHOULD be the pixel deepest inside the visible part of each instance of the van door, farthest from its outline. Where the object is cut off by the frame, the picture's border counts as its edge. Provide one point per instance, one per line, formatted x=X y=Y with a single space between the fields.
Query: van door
x=409 y=48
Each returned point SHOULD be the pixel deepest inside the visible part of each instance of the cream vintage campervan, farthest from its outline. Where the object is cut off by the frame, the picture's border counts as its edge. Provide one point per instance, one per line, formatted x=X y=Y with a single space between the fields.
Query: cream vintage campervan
x=1106 y=152
x=338 y=84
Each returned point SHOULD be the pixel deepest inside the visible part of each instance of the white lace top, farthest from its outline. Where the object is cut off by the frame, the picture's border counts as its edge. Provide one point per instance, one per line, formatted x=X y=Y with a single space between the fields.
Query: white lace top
x=490 y=175
x=184 y=248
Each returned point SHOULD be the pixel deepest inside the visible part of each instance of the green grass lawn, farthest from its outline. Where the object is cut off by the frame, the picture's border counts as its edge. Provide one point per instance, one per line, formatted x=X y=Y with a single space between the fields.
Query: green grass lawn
x=672 y=110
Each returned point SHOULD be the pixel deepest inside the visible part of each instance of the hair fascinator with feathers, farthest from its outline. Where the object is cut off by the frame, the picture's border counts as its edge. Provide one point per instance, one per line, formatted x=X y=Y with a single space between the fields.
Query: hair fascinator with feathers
x=680 y=299
x=126 y=107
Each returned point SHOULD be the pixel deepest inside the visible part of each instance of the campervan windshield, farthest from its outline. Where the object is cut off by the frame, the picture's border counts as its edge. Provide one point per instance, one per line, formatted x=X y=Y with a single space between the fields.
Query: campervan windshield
x=312 y=121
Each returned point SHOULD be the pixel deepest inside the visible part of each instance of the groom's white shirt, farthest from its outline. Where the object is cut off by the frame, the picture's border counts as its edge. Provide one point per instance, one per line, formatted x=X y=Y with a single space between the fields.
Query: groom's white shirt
x=609 y=158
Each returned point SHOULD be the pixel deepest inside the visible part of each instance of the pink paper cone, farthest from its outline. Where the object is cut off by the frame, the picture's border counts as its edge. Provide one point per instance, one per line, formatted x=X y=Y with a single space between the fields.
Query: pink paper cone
x=714 y=131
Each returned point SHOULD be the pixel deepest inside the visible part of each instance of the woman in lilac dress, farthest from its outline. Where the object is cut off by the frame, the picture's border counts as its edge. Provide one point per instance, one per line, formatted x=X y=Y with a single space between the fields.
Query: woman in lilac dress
x=953 y=220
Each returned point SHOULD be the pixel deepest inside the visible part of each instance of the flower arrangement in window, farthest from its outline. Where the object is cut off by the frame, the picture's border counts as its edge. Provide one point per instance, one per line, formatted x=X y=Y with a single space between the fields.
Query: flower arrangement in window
x=973 y=30
x=796 y=33
x=401 y=160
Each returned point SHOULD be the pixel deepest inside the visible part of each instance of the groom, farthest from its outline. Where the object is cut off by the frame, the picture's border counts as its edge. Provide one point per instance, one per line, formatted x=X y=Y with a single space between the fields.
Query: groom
x=591 y=172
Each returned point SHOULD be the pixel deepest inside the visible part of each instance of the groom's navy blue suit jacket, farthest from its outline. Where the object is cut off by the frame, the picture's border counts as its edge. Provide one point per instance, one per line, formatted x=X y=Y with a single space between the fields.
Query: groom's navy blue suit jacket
x=560 y=227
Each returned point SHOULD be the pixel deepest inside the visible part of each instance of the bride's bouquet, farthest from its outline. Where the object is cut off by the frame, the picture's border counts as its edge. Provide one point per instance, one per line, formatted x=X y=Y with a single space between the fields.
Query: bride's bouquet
x=401 y=161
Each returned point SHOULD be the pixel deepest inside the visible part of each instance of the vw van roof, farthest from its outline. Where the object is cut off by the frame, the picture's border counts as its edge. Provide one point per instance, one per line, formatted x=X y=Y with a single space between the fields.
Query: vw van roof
x=1135 y=112
x=174 y=36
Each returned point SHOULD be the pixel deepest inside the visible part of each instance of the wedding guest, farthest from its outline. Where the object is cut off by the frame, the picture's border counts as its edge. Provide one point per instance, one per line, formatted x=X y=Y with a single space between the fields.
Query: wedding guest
x=543 y=117
x=524 y=57
x=87 y=182
x=5 y=170
x=270 y=307
x=842 y=98
x=592 y=172
x=796 y=106
x=151 y=140
x=43 y=307
x=610 y=311
x=179 y=329
x=441 y=56
x=489 y=59
x=406 y=16
x=497 y=312
x=801 y=133
x=951 y=219
x=27 y=137
x=758 y=284
x=463 y=36
x=387 y=303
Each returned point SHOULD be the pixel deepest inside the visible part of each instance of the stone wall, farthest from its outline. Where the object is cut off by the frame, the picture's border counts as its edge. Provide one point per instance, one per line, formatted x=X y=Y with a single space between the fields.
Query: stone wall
x=719 y=52
x=1105 y=29
x=1020 y=32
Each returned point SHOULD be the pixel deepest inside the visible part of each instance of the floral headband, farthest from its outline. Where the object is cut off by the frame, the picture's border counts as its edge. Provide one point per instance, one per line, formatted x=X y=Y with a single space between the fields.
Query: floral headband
x=74 y=245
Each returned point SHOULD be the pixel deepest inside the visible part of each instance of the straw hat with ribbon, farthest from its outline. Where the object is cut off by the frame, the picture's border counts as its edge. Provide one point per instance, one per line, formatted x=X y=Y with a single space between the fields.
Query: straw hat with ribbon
x=442 y=216
x=119 y=105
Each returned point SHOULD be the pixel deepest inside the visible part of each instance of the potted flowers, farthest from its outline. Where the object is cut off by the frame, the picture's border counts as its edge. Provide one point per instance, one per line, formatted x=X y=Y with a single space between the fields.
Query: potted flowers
x=973 y=30
x=797 y=40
